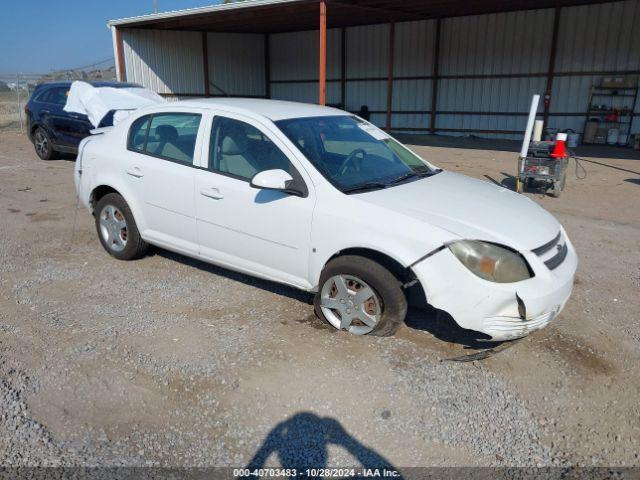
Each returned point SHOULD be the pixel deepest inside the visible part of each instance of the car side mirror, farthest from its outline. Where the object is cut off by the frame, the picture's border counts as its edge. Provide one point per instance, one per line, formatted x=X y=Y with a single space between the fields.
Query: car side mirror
x=273 y=180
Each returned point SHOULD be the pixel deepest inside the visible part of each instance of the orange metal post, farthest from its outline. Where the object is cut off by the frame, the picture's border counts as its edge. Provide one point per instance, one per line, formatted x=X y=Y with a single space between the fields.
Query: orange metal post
x=322 y=94
x=119 y=58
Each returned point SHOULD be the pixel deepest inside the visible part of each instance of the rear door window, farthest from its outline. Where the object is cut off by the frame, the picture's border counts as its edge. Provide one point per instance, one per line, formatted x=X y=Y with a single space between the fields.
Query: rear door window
x=171 y=136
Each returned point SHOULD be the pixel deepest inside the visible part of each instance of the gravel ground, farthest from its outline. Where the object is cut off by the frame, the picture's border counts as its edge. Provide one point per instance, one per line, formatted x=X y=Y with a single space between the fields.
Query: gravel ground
x=167 y=361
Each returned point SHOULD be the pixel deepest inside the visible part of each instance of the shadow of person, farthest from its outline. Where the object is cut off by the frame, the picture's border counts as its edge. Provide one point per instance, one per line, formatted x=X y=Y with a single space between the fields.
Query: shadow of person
x=301 y=442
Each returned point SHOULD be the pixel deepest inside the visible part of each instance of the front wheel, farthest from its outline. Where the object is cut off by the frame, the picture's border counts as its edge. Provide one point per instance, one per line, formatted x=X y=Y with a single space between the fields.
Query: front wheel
x=360 y=296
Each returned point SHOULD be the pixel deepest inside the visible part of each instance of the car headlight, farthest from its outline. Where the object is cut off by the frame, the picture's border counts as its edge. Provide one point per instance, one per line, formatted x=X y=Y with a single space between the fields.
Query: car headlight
x=491 y=262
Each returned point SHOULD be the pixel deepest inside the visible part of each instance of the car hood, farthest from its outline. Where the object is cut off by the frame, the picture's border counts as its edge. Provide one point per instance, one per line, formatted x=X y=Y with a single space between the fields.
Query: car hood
x=470 y=208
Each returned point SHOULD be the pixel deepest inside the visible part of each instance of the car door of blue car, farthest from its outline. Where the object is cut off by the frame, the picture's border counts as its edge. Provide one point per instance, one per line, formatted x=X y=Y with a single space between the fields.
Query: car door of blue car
x=66 y=129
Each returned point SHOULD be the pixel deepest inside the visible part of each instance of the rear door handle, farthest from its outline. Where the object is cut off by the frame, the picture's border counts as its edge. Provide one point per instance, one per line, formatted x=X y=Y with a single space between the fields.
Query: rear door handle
x=212 y=192
x=135 y=172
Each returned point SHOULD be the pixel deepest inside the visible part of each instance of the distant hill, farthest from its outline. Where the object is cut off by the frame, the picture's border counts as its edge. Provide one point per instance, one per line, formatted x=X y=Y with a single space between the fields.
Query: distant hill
x=106 y=74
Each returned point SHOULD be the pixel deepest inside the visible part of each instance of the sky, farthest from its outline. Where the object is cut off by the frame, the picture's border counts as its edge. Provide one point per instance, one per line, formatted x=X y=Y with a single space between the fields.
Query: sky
x=37 y=36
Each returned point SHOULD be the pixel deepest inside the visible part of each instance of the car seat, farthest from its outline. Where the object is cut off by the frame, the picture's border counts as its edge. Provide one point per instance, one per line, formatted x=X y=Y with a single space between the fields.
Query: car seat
x=235 y=157
x=168 y=138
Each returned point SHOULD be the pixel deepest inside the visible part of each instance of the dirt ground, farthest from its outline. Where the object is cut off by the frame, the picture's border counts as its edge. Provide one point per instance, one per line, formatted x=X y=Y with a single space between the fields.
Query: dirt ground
x=169 y=361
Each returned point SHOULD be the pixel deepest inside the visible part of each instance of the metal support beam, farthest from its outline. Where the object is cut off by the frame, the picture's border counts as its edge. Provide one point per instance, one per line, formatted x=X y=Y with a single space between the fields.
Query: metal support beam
x=343 y=68
x=322 y=84
x=119 y=55
x=205 y=64
x=267 y=66
x=435 y=80
x=552 y=65
x=392 y=35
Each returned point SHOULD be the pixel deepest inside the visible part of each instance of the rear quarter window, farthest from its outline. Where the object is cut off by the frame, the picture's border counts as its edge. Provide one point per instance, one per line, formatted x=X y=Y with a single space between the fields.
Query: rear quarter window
x=138 y=134
x=55 y=96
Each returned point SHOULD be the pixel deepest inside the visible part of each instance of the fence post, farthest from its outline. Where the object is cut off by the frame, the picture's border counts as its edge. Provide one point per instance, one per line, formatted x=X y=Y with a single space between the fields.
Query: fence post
x=19 y=103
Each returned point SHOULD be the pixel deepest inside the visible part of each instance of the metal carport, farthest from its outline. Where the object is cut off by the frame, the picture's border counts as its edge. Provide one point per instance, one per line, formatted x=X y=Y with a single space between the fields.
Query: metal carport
x=453 y=66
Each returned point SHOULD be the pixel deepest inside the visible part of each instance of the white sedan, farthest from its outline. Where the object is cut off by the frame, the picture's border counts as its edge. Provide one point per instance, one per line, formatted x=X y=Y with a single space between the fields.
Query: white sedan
x=317 y=198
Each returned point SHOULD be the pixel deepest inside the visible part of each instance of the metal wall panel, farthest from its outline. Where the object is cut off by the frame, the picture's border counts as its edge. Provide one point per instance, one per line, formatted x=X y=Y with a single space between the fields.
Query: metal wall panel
x=489 y=94
x=599 y=37
x=373 y=94
x=294 y=56
x=164 y=61
x=592 y=38
x=414 y=48
x=367 y=55
x=495 y=44
x=367 y=51
x=305 y=92
x=236 y=63
x=411 y=94
x=513 y=42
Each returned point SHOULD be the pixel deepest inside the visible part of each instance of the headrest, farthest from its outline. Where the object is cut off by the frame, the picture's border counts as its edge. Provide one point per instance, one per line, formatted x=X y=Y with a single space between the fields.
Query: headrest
x=234 y=141
x=167 y=133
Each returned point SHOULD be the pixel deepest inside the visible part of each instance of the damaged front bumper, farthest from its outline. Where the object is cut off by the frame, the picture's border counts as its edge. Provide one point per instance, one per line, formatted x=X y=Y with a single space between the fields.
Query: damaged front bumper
x=503 y=311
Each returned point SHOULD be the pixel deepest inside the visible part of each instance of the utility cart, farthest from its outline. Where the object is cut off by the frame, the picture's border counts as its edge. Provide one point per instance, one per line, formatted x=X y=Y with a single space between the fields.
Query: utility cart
x=540 y=166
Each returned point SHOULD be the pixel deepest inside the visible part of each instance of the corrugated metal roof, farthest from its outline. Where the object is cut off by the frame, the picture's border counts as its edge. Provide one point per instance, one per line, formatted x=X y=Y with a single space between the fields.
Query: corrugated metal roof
x=271 y=16
x=187 y=12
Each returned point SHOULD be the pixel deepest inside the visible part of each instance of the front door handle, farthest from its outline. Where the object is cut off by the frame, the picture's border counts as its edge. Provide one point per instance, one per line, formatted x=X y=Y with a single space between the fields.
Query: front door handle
x=135 y=172
x=212 y=192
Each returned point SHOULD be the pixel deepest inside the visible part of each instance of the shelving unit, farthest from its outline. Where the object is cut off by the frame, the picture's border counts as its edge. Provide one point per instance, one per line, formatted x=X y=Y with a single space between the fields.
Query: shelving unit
x=608 y=102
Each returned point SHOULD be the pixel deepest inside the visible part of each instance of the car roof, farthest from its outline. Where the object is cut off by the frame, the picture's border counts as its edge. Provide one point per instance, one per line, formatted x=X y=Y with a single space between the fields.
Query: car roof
x=272 y=109
x=95 y=83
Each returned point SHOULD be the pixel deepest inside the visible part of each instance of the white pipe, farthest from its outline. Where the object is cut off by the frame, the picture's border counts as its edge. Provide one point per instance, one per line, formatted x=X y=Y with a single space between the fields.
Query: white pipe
x=537 y=130
x=532 y=117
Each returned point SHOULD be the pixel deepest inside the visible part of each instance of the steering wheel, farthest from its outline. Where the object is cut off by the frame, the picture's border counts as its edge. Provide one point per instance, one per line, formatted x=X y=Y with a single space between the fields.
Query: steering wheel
x=349 y=159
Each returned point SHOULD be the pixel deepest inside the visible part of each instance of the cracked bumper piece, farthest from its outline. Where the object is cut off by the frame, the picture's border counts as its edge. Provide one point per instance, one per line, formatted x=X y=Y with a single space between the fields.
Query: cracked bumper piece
x=492 y=308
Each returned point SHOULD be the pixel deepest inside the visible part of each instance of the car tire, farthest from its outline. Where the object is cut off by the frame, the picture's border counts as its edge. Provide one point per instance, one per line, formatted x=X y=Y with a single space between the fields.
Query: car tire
x=380 y=314
x=43 y=145
x=117 y=229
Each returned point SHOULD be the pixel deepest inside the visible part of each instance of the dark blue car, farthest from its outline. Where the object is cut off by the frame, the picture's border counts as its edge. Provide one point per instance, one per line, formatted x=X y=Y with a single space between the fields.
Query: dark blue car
x=50 y=128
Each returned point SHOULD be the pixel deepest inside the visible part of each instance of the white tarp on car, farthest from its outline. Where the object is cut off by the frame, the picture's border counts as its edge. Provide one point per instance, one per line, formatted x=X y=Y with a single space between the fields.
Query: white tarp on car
x=96 y=102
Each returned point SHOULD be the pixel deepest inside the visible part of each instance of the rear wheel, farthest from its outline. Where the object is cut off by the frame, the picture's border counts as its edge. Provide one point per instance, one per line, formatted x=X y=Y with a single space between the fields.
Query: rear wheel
x=360 y=296
x=117 y=228
x=42 y=144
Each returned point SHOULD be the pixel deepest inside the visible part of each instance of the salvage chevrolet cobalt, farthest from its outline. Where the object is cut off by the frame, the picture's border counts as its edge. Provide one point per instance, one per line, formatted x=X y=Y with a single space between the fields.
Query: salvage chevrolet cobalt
x=317 y=198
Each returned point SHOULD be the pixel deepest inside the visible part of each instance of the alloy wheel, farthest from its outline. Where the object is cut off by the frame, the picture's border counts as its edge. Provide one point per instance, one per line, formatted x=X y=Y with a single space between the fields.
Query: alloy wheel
x=349 y=303
x=41 y=143
x=113 y=228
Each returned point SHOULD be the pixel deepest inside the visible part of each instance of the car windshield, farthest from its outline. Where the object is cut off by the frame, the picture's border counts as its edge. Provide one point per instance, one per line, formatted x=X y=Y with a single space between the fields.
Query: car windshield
x=352 y=154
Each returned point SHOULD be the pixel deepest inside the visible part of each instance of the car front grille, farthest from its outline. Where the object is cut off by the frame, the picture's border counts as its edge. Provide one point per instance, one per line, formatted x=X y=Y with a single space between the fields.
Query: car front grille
x=554 y=252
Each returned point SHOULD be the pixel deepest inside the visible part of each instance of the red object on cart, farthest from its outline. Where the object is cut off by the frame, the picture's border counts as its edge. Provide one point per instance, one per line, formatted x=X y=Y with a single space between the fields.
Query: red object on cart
x=560 y=147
